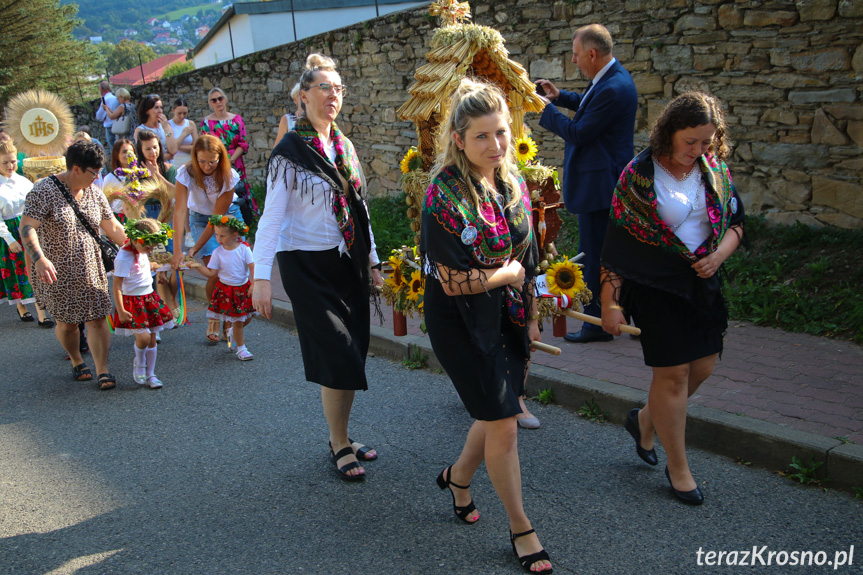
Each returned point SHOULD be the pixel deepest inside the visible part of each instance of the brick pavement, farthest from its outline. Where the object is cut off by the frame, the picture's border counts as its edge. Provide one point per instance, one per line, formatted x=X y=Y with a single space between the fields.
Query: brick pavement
x=807 y=383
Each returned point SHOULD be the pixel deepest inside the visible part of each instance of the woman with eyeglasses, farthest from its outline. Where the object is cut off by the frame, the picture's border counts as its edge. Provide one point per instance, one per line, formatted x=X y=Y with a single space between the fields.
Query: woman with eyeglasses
x=316 y=224
x=152 y=117
x=204 y=186
x=231 y=130
x=66 y=264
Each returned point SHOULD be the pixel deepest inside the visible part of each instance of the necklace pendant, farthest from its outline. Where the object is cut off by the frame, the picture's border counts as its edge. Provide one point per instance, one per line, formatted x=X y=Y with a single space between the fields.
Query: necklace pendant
x=468 y=235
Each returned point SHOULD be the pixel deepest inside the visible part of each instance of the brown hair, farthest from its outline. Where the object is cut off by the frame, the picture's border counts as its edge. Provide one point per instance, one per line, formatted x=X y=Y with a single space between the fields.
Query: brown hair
x=314 y=62
x=147 y=225
x=208 y=143
x=689 y=110
x=115 y=151
x=7 y=147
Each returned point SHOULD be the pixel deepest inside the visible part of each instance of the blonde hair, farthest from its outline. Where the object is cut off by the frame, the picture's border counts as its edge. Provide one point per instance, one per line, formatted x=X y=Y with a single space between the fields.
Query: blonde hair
x=474 y=99
x=7 y=147
x=124 y=93
x=82 y=135
x=295 y=91
x=220 y=91
x=314 y=63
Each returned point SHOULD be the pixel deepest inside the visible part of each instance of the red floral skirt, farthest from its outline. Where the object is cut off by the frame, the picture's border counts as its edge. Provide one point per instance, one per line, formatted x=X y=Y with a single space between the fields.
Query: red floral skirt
x=149 y=315
x=231 y=303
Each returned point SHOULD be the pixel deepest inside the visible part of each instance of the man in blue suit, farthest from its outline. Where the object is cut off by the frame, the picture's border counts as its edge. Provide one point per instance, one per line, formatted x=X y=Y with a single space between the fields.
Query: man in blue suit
x=599 y=144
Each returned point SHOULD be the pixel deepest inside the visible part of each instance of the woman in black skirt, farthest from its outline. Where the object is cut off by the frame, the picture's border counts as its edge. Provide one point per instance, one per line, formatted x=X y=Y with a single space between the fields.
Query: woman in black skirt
x=316 y=223
x=480 y=260
x=675 y=218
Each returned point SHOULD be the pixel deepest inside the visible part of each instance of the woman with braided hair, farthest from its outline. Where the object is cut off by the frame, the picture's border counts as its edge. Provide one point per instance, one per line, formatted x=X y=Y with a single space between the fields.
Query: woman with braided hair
x=316 y=224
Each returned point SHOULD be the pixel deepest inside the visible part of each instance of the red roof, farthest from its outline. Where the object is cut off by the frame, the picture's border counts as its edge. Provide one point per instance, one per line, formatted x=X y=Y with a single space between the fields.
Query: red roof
x=152 y=71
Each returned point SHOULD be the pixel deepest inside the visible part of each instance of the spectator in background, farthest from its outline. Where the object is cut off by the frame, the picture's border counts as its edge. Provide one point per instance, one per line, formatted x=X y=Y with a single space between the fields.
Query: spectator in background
x=288 y=121
x=109 y=104
x=126 y=108
x=152 y=118
x=184 y=131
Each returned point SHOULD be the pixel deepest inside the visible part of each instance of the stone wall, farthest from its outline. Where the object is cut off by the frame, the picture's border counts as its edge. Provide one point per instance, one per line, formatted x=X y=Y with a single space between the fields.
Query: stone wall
x=788 y=72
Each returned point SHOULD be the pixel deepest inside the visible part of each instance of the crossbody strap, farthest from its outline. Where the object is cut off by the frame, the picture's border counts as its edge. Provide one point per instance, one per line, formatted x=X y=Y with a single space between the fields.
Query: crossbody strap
x=81 y=218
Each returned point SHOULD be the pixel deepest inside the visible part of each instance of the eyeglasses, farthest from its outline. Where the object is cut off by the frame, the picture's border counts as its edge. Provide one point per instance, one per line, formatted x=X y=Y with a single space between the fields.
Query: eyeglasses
x=206 y=163
x=153 y=96
x=339 y=89
x=217 y=99
x=93 y=174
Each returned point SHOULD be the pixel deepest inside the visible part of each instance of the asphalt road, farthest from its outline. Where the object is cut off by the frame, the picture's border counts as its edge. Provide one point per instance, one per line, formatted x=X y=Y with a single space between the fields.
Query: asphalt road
x=225 y=471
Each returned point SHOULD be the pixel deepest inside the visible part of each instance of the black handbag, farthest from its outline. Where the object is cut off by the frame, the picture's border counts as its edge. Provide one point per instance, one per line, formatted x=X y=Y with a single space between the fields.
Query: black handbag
x=243 y=202
x=108 y=248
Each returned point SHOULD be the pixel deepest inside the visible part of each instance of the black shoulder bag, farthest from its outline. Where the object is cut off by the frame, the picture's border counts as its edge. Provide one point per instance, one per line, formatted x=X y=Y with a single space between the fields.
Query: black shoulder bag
x=108 y=248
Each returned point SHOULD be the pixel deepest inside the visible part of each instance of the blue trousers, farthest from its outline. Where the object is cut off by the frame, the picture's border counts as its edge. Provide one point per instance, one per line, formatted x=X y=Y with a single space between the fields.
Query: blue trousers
x=591 y=236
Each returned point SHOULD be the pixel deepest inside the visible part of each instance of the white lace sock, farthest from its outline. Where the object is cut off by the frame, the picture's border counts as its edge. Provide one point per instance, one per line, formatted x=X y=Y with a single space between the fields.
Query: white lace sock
x=151 y=360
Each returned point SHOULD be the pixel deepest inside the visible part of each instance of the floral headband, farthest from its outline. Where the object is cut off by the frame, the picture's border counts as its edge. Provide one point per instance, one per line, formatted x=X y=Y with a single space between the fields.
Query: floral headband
x=147 y=238
x=227 y=221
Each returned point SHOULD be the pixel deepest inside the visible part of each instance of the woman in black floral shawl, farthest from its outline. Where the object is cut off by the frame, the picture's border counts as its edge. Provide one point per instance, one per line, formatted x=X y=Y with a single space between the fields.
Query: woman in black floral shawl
x=480 y=259
x=675 y=218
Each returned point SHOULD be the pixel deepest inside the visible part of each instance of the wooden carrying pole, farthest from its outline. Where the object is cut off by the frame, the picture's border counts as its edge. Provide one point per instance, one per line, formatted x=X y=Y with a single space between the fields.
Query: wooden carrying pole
x=539 y=346
x=597 y=321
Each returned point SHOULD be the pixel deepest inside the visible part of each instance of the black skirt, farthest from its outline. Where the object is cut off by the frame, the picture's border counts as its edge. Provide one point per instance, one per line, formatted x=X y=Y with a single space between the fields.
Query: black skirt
x=331 y=310
x=487 y=366
x=673 y=330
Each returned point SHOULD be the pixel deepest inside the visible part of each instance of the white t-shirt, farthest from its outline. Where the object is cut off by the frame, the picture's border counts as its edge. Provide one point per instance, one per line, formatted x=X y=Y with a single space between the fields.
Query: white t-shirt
x=233 y=265
x=134 y=268
x=181 y=158
x=204 y=201
x=13 y=192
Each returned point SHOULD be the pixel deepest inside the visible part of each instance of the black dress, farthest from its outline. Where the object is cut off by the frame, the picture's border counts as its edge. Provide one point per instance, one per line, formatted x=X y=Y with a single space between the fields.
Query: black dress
x=480 y=339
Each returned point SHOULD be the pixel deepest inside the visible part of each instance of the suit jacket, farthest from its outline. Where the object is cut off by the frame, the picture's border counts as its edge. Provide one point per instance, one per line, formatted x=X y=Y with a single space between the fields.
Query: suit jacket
x=599 y=139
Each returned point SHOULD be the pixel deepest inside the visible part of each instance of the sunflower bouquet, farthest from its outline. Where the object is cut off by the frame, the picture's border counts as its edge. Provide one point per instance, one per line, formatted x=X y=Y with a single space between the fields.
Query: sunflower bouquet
x=404 y=288
x=562 y=286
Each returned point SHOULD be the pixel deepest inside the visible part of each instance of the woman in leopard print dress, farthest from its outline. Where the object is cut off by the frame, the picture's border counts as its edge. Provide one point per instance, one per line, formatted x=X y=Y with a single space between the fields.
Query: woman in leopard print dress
x=67 y=271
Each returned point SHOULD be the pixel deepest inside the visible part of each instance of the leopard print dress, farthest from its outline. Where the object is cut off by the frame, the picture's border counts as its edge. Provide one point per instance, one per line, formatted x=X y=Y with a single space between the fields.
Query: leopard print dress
x=80 y=293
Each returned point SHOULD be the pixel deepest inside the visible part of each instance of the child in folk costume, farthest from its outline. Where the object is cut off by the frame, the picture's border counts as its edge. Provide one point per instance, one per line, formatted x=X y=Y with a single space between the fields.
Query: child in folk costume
x=232 y=261
x=139 y=310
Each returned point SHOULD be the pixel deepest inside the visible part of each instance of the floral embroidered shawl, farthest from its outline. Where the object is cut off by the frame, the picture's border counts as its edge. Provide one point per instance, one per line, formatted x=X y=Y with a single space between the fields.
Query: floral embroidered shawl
x=639 y=246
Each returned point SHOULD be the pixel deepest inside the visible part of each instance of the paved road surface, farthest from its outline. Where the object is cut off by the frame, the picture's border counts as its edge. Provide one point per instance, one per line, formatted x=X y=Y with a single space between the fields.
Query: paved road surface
x=224 y=471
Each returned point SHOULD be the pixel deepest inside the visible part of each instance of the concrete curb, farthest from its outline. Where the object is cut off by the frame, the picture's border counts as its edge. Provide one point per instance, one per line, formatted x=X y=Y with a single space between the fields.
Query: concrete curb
x=759 y=443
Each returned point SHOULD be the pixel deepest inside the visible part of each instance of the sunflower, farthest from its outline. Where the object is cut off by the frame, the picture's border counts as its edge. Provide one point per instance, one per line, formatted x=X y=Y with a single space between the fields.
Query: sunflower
x=525 y=149
x=396 y=279
x=564 y=278
x=415 y=286
x=412 y=161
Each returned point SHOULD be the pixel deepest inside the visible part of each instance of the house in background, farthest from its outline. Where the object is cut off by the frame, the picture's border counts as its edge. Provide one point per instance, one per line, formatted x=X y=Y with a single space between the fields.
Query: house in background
x=248 y=27
x=151 y=72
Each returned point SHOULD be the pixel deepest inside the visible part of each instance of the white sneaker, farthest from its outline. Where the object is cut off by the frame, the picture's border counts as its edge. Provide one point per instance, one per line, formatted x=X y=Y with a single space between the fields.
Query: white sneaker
x=245 y=355
x=154 y=382
x=139 y=373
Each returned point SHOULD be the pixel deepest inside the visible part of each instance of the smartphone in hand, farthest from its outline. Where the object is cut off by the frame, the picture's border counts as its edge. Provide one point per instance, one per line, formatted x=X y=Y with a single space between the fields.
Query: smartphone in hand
x=539 y=89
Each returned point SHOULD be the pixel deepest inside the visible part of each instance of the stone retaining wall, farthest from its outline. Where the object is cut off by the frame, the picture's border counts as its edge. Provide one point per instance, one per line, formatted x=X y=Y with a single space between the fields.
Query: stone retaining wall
x=788 y=72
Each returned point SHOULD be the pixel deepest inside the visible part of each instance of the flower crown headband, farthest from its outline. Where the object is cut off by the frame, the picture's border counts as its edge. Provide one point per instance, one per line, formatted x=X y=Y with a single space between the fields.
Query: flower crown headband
x=227 y=221
x=147 y=238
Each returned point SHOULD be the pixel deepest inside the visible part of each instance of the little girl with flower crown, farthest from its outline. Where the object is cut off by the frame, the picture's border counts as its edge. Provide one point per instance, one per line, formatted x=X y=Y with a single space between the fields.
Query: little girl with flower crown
x=232 y=261
x=139 y=310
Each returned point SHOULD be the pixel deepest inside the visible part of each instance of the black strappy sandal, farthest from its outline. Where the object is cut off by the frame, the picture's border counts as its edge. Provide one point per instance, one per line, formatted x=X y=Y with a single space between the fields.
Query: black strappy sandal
x=460 y=512
x=363 y=452
x=107 y=381
x=343 y=470
x=79 y=371
x=528 y=560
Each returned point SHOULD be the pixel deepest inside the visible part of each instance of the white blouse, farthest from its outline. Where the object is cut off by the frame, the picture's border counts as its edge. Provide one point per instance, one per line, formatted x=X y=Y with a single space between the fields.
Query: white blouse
x=181 y=158
x=298 y=216
x=682 y=205
x=203 y=201
x=13 y=193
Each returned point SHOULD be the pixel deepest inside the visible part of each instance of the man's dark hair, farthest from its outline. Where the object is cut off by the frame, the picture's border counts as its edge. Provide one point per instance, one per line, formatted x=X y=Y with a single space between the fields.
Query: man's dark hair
x=85 y=155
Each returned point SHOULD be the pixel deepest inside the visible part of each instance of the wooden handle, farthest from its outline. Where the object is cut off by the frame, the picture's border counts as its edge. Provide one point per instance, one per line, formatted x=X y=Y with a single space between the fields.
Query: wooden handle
x=597 y=321
x=539 y=346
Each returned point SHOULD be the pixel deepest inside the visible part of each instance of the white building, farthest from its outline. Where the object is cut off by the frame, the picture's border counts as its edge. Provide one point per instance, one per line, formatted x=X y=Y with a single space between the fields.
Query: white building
x=248 y=27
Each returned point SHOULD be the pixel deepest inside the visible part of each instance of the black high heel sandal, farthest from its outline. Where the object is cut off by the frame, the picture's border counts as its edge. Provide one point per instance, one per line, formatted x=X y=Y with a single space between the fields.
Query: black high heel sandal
x=460 y=512
x=528 y=560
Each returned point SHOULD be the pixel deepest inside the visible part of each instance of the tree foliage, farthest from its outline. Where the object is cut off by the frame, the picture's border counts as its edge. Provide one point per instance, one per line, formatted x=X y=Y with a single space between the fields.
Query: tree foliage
x=38 y=48
x=177 y=68
x=124 y=55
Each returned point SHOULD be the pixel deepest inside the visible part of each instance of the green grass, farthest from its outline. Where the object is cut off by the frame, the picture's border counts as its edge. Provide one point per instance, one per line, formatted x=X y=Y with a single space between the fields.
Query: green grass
x=193 y=11
x=792 y=277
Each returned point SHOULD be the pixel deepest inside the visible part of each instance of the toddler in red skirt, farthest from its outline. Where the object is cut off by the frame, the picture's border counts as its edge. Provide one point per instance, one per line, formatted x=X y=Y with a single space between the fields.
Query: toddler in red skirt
x=139 y=310
x=232 y=261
